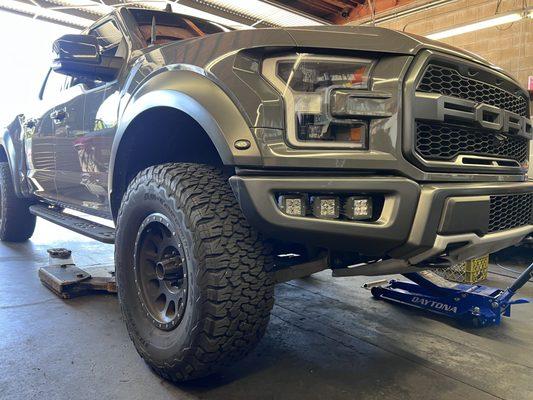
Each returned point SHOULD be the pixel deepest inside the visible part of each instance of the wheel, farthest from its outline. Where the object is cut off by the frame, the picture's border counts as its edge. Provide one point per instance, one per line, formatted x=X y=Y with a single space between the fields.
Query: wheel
x=16 y=222
x=194 y=279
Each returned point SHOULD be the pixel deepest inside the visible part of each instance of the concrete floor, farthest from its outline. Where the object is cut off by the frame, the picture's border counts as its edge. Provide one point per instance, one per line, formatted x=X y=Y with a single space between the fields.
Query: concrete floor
x=327 y=339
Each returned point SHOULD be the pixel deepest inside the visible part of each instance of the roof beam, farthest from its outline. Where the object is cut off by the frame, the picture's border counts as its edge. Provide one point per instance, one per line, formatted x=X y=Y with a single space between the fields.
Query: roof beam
x=296 y=11
x=400 y=12
x=34 y=10
x=79 y=13
x=69 y=8
x=225 y=13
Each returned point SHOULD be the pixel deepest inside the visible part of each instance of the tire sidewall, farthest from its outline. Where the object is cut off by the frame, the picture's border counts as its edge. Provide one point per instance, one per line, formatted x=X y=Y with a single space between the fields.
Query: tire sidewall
x=17 y=224
x=160 y=344
x=3 y=205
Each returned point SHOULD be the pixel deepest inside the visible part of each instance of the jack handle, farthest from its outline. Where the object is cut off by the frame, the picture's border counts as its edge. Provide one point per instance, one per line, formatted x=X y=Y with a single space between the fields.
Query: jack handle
x=522 y=279
x=518 y=283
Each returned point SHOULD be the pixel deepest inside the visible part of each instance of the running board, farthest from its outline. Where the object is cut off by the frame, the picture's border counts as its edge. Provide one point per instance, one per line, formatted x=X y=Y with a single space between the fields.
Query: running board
x=79 y=225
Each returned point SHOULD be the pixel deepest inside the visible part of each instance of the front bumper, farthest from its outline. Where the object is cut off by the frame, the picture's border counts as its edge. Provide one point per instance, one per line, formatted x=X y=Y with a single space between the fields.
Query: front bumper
x=417 y=222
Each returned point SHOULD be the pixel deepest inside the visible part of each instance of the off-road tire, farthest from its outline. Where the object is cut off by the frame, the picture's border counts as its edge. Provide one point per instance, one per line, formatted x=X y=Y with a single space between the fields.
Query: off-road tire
x=230 y=287
x=16 y=222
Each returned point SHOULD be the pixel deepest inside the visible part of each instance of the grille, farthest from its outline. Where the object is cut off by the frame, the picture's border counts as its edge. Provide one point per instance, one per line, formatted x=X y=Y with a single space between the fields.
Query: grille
x=448 y=81
x=510 y=211
x=441 y=141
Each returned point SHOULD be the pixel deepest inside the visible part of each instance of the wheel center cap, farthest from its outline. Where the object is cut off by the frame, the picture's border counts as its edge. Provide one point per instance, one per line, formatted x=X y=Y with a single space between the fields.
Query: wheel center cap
x=160 y=271
x=167 y=268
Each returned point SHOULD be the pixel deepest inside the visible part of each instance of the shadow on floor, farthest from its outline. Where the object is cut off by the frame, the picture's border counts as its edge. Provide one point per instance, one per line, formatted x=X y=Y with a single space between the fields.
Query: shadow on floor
x=328 y=339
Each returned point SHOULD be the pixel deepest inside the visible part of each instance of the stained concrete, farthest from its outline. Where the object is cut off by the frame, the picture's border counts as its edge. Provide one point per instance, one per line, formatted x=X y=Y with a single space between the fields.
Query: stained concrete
x=327 y=340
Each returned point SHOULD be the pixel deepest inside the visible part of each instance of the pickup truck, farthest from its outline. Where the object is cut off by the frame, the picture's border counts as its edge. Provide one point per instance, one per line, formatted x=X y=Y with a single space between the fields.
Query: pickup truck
x=230 y=160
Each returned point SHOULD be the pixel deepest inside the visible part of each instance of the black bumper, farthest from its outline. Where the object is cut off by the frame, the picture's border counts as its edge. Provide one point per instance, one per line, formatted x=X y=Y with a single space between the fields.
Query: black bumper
x=412 y=216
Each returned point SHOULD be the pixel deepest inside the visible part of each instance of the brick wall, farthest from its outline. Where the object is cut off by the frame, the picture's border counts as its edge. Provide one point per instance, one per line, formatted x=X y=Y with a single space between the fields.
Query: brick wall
x=508 y=46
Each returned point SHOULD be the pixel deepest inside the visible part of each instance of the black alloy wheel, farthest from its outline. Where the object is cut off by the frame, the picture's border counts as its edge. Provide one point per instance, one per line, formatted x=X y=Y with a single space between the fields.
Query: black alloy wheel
x=161 y=272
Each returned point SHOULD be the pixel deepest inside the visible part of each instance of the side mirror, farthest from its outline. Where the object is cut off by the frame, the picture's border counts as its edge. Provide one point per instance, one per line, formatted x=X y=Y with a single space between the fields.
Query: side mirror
x=79 y=56
x=77 y=48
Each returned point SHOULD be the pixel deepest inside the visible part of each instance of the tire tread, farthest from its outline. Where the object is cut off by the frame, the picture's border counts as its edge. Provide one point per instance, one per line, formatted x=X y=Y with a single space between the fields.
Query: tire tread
x=17 y=223
x=233 y=271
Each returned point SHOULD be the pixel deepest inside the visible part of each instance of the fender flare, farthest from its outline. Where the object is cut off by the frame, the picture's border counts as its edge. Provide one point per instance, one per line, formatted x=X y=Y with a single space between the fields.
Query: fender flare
x=12 y=145
x=202 y=100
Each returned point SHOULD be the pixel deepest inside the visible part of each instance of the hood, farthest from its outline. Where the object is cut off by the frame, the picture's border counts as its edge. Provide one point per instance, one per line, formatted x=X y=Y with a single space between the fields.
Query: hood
x=373 y=39
x=205 y=51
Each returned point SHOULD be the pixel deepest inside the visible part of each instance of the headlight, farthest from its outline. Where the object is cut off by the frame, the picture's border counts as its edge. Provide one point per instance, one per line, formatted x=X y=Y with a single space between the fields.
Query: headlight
x=308 y=83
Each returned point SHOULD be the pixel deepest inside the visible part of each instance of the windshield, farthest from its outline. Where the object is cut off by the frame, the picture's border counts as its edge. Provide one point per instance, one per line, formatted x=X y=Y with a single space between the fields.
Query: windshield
x=170 y=27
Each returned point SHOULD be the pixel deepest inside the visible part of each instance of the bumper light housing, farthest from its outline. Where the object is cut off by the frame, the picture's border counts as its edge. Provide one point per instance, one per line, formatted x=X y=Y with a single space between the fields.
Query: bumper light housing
x=358 y=208
x=326 y=207
x=295 y=205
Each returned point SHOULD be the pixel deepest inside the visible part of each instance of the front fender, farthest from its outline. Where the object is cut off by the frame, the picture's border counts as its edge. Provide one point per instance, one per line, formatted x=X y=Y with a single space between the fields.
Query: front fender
x=201 y=99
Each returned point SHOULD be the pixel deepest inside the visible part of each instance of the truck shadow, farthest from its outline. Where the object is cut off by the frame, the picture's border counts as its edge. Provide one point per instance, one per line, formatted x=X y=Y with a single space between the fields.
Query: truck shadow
x=329 y=340
x=296 y=363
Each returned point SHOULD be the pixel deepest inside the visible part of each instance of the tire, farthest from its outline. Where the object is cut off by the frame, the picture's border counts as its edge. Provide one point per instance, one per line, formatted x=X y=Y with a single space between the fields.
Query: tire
x=219 y=266
x=16 y=222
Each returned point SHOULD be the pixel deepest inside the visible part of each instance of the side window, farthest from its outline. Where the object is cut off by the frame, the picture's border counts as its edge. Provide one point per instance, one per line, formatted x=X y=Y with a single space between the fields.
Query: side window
x=112 y=44
x=110 y=39
x=53 y=85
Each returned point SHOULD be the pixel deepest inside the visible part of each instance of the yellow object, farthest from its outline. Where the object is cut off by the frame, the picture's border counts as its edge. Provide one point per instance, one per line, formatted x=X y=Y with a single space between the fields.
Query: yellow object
x=471 y=271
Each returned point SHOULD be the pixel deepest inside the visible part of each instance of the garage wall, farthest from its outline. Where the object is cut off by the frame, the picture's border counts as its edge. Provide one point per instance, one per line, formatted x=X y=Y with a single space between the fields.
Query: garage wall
x=508 y=46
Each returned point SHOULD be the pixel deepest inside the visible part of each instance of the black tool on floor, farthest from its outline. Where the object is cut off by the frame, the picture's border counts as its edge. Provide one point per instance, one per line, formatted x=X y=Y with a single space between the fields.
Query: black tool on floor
x=66 y=280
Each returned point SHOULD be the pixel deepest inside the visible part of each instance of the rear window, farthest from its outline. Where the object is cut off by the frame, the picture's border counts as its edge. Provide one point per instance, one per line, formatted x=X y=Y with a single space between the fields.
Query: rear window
x=170 y=27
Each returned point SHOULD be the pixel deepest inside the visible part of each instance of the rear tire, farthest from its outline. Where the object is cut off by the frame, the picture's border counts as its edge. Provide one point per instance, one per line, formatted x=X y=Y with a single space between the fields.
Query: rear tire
x=16 y=222
x=193 y=277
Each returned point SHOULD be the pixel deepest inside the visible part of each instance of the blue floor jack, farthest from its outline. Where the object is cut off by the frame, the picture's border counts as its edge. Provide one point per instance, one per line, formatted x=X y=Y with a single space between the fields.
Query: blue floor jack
x=471 y=305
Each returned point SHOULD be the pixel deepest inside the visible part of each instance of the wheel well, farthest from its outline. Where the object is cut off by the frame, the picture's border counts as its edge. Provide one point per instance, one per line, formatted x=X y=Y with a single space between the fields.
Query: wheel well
x=158 y=136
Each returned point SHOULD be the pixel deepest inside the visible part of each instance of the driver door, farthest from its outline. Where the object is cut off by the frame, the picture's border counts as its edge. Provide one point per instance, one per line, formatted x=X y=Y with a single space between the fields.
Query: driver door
x=86 y=135
x=39 y=137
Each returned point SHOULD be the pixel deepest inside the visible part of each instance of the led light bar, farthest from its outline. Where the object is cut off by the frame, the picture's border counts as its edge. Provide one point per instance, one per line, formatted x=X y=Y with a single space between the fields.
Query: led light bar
x=328 y=206
x=476 y=26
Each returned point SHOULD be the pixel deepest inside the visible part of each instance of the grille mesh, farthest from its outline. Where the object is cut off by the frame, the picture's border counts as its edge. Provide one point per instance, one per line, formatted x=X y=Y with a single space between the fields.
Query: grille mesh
x=510 y=211
x=441 y=141
x=448 y=81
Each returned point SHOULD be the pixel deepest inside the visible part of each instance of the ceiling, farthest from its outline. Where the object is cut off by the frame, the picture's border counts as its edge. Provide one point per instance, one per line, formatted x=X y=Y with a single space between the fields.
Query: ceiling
x=235 y=13
x=343 y=11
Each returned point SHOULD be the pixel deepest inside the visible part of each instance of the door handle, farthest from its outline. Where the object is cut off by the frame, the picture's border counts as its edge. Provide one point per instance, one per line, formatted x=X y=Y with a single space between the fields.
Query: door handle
x=58 y=115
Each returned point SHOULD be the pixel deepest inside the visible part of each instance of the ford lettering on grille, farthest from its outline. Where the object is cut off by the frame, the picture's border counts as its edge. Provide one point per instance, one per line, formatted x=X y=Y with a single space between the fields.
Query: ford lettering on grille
x=437 y=107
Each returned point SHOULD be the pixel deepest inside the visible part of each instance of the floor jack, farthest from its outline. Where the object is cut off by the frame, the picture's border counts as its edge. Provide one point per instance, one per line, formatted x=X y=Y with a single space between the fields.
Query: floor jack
x=471 y=305
x=66 y=280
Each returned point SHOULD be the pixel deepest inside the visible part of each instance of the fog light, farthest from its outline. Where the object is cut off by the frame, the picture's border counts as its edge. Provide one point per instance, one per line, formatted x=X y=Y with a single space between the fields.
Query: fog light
x=326 y=207
x=358 y=208
x=295 y=205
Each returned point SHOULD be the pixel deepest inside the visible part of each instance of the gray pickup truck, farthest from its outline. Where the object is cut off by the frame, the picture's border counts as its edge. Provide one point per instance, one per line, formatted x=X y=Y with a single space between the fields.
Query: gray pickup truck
x=232 y=160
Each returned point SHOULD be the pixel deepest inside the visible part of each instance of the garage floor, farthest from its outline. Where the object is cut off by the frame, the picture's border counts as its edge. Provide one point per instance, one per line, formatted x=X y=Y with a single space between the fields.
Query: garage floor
x=327 y=339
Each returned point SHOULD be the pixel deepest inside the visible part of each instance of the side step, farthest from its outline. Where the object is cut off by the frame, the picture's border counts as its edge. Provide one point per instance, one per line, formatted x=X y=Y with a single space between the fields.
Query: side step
x=79 y=225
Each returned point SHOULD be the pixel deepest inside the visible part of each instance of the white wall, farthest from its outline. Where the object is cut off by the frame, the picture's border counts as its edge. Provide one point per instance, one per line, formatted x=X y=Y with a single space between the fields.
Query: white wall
x=26 y=51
